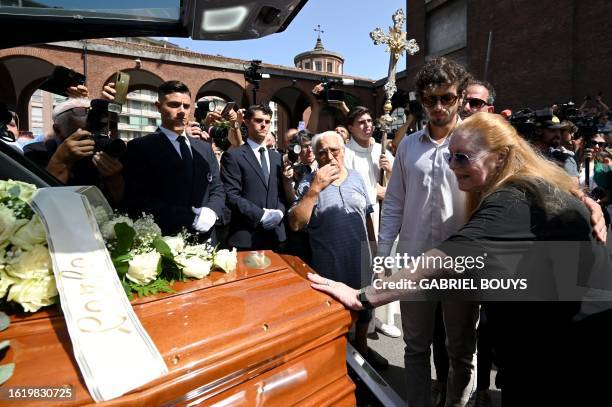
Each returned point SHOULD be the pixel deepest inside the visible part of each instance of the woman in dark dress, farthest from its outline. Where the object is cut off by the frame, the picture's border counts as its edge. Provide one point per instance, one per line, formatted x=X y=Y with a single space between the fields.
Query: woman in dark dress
x=550 y=338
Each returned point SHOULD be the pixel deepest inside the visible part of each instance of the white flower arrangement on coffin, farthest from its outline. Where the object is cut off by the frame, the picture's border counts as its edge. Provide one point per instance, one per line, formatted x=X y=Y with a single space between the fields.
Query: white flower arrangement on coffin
x=147 y=262
x=26 y=276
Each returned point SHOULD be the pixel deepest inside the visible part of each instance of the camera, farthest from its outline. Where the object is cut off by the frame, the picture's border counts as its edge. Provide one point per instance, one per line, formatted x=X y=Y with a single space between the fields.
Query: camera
x=219 y=136
x=252 y=74
x=330 y=93
x=99 y=119
x=587 y=125
x=526 y=120
x=203 y=107
x=295 y=145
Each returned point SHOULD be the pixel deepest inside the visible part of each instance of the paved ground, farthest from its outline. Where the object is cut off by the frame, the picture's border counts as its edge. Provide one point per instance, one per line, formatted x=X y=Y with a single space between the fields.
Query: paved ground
x=393 y=350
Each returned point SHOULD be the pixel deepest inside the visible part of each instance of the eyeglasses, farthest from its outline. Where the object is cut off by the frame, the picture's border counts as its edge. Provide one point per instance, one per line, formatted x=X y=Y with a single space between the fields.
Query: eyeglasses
x=476 y=103
x=600 y=144
x=446 y=100
x=462 y=159
x=259 y=120
x=325 y=153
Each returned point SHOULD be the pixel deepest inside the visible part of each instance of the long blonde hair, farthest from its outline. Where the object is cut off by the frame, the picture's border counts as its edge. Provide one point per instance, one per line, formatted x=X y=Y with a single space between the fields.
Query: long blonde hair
x=522 y=164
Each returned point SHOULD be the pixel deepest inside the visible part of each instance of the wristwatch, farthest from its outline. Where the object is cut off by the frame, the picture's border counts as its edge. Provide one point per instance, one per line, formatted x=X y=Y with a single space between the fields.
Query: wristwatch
x=361 y=296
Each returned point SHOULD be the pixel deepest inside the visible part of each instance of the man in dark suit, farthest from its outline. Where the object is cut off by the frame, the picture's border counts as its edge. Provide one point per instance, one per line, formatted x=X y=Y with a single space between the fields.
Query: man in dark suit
x=252 y=176
x=171 y=176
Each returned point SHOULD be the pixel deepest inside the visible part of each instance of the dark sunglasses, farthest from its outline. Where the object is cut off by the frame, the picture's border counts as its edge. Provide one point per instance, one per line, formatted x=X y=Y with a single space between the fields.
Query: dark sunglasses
x=600 y=144
x=476 y=103
x=462 y=159
x=446 y=100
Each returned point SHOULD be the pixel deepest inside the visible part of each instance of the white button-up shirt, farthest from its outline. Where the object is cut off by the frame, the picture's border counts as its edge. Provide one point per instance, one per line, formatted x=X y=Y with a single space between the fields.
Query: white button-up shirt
x=255 y=147
x=423 y=203
x=173 y=137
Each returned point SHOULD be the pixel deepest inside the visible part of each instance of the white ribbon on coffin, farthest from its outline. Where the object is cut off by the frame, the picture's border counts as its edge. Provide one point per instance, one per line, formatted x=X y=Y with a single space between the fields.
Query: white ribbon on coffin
x=113 y=351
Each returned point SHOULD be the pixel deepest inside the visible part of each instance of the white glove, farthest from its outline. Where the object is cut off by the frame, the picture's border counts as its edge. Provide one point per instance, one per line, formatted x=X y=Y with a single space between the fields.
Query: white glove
x=271 y=218
x=204 y=220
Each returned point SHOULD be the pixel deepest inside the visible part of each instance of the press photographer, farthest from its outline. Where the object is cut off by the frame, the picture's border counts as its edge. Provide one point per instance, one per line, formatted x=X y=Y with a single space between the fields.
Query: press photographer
x=298 y=162
x=547 y=138
x=328 y=95
x=217 y=122
x=80 y=151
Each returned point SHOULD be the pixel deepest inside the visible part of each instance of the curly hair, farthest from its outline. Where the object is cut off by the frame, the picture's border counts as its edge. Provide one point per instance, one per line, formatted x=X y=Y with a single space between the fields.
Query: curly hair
x=441 y=71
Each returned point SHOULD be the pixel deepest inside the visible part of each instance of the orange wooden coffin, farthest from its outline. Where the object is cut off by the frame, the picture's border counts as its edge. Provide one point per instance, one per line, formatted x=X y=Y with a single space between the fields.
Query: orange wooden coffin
x=253 y=337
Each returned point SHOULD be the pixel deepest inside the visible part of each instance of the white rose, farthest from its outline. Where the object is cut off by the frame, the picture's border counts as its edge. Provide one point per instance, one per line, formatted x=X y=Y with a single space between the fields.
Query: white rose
x=34 y=293
x=108 y=229
x=33 y=263
x=22 y=190
x=196 y=267
x=30 y=234
x=5 y=282
x=143 y=268
x=226 y=260
x=176 y=243
x=8 y=224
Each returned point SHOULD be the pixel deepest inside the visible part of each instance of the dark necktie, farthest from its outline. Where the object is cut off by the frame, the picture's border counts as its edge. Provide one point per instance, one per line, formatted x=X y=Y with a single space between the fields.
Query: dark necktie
x=264 y=163
x=187 y=159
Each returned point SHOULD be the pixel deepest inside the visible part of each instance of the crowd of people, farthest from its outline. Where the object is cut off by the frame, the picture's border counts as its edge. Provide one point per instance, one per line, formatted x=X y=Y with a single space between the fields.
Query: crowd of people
x=339 y=198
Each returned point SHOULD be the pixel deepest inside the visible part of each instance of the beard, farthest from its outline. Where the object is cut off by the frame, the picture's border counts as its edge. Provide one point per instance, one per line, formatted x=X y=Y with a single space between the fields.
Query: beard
x=446 y=116
x=441 y=121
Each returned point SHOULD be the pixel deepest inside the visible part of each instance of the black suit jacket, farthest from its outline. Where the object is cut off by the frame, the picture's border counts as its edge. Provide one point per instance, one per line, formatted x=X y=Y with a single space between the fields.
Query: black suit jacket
x=247 y=195
x=153 y=184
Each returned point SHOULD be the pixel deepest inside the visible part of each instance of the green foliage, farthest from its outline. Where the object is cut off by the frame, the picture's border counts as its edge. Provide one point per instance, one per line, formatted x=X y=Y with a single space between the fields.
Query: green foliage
x=168 y=267
x=20 y=208
x=125 y=239
x=122 y=264
x=162 y=247
x=157 y=286
x=128 y=289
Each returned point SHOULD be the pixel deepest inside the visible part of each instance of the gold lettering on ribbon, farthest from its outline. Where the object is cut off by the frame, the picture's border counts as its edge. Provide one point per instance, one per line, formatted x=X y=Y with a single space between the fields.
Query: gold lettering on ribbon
x=77 y=263
x=88 y=289
x=100 y=327
x=72 y=274
x=89 y=307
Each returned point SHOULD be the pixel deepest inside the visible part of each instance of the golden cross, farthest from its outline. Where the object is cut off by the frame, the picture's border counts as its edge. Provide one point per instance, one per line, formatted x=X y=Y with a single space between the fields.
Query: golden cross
x=396 y=45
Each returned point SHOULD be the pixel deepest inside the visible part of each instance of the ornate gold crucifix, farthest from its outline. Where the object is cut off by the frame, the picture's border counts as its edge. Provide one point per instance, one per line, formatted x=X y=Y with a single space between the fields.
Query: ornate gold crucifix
x=396 y=45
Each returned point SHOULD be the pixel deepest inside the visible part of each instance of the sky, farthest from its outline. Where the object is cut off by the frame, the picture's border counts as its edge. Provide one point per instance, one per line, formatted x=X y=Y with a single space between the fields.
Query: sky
x=346 y=25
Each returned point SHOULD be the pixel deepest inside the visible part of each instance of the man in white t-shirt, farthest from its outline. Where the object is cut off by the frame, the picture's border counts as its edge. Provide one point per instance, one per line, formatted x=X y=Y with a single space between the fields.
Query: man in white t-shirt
x=364 y=155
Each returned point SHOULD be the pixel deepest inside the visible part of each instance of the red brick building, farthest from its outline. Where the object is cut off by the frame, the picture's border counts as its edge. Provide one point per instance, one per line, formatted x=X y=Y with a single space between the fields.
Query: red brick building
x=541 y=51
x=149 y=63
